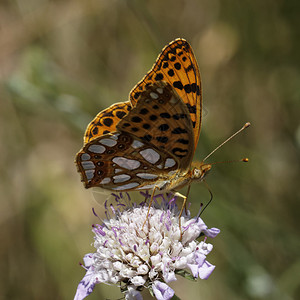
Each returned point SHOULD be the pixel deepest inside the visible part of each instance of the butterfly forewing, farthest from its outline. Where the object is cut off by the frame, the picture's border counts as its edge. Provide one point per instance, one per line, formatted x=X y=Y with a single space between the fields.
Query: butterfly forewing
x=177 y=65
x=161 y=118
x=106 y=121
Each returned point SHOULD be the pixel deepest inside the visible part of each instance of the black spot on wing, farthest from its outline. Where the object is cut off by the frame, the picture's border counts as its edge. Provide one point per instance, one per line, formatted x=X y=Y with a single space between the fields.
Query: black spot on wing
x=163 y=127
x=183 y=141
x=159 y=76
x=95 y=130
x=144 y=111
x=187 y=88
x=179 y=130
x=120 y=114
x=162 y=139
x=147 y=138
x=171 y=73
x=178 y=85
x=191 y=108
x=165 y=115
x=179 y=152
x=189 y=68
x=107 y=122
x=136 y=119
x=179 y=116
x=194 y=87
x=177 y=66
x=153 y=117
x=136 y=95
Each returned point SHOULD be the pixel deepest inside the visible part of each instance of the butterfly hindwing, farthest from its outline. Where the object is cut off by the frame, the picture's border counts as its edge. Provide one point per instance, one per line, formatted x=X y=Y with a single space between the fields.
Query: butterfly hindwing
x=119 y=161
x=178 y=66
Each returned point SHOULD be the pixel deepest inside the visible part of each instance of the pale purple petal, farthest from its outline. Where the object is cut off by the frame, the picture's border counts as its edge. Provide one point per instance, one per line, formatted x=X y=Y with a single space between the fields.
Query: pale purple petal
x=212 y=232
x=85 y=286
x=133 y=294
x=201 y=225
x=194 y=269
x=199 y=258
x=88 y=259
x=169 y=276
x=162 y=291
x=205 y=270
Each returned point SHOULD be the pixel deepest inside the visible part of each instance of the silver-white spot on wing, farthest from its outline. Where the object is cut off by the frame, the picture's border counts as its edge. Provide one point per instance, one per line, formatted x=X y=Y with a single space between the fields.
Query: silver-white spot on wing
x=118 y=171
x=96 y=148
x=150 y=155
x=153 y=95
x=126 y=186
x=87 y=165
x=170 y=162
x=174 y=100
x=89 y=174
x=146 y=175
x=115 y=136
x=105 y=180
x=160 y=90
x=121 y=178
x=129 y=164
x=137 y=144
x=85 y=156
x=108 y=142
x=146 y=187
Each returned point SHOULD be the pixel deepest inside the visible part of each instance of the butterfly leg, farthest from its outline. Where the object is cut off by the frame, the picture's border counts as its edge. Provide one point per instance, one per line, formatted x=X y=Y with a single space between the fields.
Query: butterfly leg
x=183 y=206
x=150 y=203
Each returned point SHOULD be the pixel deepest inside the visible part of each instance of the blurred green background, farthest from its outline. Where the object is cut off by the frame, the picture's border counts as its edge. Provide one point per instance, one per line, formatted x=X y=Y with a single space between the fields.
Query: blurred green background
x=61 y=62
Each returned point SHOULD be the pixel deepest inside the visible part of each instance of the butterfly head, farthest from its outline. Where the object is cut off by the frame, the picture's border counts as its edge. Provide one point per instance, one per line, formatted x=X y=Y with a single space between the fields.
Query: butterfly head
x=199 y=170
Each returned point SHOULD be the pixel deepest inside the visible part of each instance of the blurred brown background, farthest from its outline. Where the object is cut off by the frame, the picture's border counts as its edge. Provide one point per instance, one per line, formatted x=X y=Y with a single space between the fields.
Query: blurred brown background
x=61 y=62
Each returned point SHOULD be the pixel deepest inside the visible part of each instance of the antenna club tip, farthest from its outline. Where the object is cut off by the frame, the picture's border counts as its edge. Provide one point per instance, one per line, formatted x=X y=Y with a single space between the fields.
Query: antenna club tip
x=245 y=159
x=247 y=124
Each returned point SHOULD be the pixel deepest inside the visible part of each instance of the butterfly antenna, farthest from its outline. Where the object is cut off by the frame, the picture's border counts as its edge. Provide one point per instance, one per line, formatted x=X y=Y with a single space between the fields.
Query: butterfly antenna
x=210 y=200
x=231 y=137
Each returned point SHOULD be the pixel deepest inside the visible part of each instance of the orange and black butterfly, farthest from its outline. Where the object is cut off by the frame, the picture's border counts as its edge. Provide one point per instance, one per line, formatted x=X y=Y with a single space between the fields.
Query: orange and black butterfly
x=149 y=141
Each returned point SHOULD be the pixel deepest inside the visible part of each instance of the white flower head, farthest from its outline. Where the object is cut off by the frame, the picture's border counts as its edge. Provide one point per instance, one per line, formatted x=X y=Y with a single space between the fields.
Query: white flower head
x=147 y=251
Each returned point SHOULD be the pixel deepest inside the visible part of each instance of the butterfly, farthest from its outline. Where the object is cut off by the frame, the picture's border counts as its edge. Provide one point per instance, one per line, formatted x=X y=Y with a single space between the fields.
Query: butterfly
x=149 y=141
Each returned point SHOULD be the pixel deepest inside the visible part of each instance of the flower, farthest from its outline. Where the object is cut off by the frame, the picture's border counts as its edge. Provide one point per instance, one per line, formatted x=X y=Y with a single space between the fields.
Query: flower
x=144 y=247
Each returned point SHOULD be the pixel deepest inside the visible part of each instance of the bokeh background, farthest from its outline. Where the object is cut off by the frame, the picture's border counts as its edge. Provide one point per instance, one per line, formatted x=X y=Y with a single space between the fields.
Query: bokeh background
x=61 y=62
